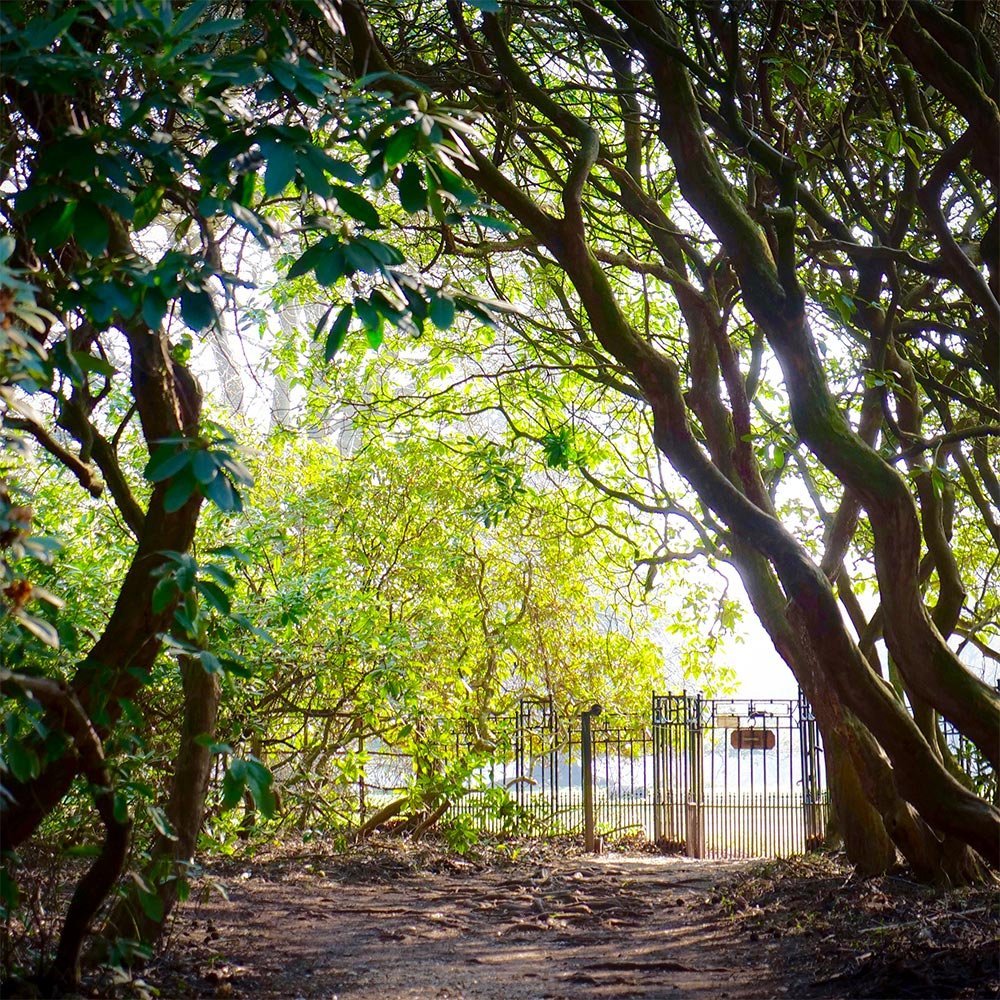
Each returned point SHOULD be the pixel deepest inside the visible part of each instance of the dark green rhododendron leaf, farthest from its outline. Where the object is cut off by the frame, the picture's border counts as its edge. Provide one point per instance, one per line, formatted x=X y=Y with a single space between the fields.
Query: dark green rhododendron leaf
x=197 y=309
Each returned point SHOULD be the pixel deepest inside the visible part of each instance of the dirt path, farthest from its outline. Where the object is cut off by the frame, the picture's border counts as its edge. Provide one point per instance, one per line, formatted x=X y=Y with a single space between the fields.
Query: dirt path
x=614 y=926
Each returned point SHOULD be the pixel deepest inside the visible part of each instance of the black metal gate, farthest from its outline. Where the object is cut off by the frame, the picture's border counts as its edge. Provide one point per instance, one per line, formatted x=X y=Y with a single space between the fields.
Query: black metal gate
x=736 y=778
x=708 y=777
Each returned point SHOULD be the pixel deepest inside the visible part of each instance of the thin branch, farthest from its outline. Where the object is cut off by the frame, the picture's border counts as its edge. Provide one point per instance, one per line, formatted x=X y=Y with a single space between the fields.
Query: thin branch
x=85 y=473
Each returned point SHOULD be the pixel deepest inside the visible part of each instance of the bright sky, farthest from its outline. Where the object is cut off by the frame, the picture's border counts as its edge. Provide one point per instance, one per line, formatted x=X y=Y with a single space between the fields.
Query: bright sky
x=761 y=673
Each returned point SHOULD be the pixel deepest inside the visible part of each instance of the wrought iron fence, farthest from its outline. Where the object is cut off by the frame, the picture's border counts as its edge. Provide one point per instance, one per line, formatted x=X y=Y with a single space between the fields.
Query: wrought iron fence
x=722 y=778
x=738 y=777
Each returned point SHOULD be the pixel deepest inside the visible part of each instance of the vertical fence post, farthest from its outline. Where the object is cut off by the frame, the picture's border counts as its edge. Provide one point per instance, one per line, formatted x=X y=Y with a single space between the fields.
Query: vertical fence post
x=658 y=796
x=587 y=768
x=696 y=787
x=361 y=781
x=813 y=813
x=519 y=754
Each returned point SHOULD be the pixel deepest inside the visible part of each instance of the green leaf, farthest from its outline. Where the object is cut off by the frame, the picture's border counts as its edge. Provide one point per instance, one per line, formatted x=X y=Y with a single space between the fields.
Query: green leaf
x=375 y=334
x=280 y=170
x=210 y=662
x=160 y=822
x=147 y=206
x=39 y=628
x=233 y=783
x=259 y=780
x=51 y=227
x=250 y=220
x=230 y=552
x=181 y=489
x=197 y=309
x=243 y=190
x=797 y=74
x=22 y=762
x=246 y=623
x=220 y=26
x=399 y=146
x=131 y=713
x=218 y=574
x=360 y=258
x=442 y=312
x=330 y=267
x=220 y=491
x=215 y=596
x=92 y=363
x=488 y=222
x=307 y=261
x=237 y=470
x=367 y=314
x=91 y=228
x=382 y=252
x=165 y=593
x=335 y=338
x=166 y=462
x=337 y=168
x=152 y=906
x=324 y=322
x=188 y=16
x=204 y=466
x=313 y=177
x=356 y=206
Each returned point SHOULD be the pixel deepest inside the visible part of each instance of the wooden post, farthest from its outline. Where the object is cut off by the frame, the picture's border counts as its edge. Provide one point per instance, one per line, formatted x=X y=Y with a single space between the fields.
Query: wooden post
x=587 y=767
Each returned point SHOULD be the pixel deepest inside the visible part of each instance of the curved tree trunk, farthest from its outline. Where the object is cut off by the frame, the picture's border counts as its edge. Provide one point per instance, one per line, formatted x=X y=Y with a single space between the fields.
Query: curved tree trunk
x=100 y=877
x=774 y=299
x=866 y=841
x=127 y=648
x=170 y=857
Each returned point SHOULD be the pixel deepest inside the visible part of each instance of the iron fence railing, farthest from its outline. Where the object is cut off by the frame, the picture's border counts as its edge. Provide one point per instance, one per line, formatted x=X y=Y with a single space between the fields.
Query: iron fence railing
x=720 y=777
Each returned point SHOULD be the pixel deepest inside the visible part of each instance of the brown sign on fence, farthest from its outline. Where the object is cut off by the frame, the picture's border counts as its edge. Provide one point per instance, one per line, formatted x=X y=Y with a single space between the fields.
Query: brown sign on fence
x=753 y=739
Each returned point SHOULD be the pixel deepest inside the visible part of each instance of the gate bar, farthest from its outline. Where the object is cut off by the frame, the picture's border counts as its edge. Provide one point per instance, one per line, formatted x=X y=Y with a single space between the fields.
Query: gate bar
x=587 y=767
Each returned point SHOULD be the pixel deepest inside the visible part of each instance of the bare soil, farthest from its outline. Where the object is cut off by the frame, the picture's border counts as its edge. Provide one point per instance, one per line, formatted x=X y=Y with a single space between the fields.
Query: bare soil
x=397 y=919
x=408 y=921
x=385 y=925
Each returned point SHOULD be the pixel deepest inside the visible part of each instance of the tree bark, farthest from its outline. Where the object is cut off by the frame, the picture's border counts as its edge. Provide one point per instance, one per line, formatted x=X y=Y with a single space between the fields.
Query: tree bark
x=98 y=880
x=766 y=268
x=121 y=658
x=171 y=857
x=774 y=299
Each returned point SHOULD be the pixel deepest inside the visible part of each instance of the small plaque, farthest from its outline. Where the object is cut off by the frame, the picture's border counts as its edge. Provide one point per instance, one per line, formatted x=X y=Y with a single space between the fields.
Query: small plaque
x=727 y=721
x=753 y=739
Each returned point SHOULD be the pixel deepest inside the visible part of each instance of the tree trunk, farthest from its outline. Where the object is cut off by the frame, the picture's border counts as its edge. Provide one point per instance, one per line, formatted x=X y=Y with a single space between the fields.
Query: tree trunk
x=171 y=857
x=921 y=779
x=866 y=843
x=776 y=302
x=100 y=877
x=127 y=648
